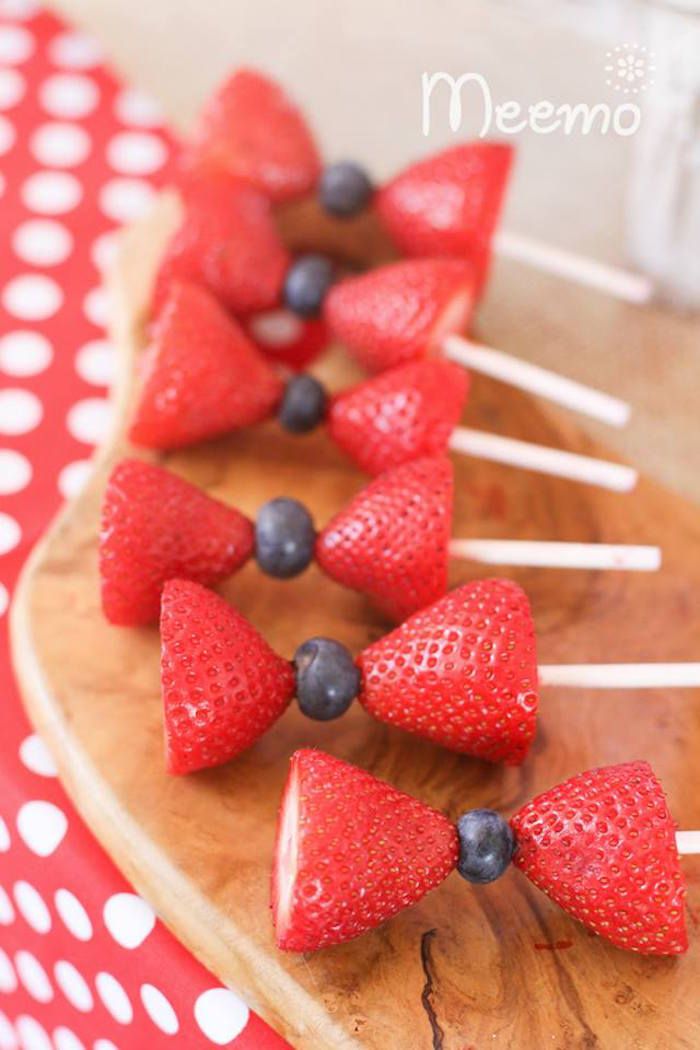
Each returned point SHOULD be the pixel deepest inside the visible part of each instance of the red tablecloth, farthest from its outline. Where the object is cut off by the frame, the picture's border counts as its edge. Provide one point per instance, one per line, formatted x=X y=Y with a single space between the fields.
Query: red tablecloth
x=84 y=962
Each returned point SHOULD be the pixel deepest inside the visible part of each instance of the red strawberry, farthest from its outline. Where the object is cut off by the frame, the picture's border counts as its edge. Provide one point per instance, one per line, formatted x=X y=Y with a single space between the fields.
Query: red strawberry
x=391 y=541
x=462 y=673
x=602 y=845
x=402 y=311
x=250 y=129
x=449 y=204
x=351 y=852
x=288 y=340
x=222 y=684
x=227 y=242
x=156 y=526
x=201 y=375
x=404 y=413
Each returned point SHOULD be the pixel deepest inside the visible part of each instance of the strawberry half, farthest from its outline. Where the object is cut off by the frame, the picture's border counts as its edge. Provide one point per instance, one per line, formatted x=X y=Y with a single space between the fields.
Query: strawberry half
x=602 y=845
x=449 y=204
x=402 y=311
x=251 y=130
x=391 y=541
x=201 y=375
x=222 y=684
x=462 y=673
x=351 y=851
x=288 y=340
x=227 y=242
x=155 y=526
x=400 y=415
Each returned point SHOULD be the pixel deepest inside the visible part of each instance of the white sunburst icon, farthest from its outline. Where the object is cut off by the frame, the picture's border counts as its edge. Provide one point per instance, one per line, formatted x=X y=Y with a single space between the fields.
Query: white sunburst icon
x=629 y=68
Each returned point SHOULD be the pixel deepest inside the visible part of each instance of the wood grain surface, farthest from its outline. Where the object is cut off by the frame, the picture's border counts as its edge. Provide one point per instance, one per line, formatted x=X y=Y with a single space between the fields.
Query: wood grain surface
x=469 y=967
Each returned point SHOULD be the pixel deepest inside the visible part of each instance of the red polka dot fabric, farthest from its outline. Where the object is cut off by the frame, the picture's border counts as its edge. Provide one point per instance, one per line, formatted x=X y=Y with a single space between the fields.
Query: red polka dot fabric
x=84 y=962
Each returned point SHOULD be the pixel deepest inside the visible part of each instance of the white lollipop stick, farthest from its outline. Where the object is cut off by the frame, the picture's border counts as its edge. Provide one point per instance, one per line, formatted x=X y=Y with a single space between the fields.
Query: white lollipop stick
x=688 y=842
x=558 y=555
x=542 y=459
x=621 y=676
x=632 y=287
x=536 y=380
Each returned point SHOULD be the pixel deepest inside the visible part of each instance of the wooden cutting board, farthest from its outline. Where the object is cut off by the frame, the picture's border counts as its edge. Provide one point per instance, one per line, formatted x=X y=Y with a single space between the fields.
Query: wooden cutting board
x=491 y=967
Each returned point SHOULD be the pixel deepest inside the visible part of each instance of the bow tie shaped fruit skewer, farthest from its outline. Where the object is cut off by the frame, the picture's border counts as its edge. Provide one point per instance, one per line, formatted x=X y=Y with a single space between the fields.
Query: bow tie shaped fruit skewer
x=392 y=542
x=461 y=673
x=352 y=851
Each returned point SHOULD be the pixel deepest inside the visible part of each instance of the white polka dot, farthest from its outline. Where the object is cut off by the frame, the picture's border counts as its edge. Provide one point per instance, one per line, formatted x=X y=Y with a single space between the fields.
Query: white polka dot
x=8 y=1040
x=221 y=1015
x=96 y=307
x=51 y=192
x=69 y=95
x=159 y=1009
x=18 y=10
x=36 y=756
x=4 y=602
x=75 y=918
x=8 y=978
x=20 y=411
x=7 y=135
x=74 y=986
x=64 y=1039
x=15 y=471
x=125 y=200
x=104 y=1044
x=16 y=44
x=129 y=919
x=133 y=106
x=73 y=478
x=32 y=297
x=89 y=420
x=73 y=50
x=60 y=145
x=95 y=362
x=276 y=328
x=7 y=912
x=33 y=976
x=5 y=841
x=31 y=906
x=104 y=250
x=24 y=353
x=136 y=153
x=12 y=88
x=42 y=242
x=10 y=533
x=42 y=826
x=31 y=1035
x=114 y=998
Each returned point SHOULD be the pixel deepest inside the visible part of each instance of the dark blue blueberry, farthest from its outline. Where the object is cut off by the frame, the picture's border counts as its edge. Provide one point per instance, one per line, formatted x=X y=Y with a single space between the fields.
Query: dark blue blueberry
x=328 y=680
x=486 y=845
x=344 y=189
x=284 y=538
x=303 y=404
x=307 y=281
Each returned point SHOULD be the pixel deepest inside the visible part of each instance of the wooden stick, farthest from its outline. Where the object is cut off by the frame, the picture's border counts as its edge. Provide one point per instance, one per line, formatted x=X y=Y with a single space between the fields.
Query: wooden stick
x=688 y=842
x=558 y=555
x=632 y=287
x=536 y=380
x=542 y=459
x=621 y=676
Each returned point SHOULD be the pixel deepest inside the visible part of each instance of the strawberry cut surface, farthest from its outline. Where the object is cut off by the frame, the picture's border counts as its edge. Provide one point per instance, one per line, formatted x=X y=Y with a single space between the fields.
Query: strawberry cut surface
x=402 y=311
x=351 y=852
x=403 y=414
x=391 y=541
x=222 y=684
x=156 y=526
x=461 y=673
x=201 y=376
x=288 y=340
x=602 y=845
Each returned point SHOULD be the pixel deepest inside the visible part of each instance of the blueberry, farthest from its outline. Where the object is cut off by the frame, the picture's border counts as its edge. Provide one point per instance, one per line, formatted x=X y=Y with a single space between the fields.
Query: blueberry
x=307 y=281
x=284 y=538
x=486 y=845
x=303 y=404
x=328 y=679
x=344 y=189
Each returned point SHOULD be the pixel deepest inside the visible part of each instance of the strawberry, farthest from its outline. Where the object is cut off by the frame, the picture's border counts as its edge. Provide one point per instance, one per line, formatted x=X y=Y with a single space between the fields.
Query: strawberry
x=400 y=312
x=228 y=243
x=251 y=130
x=156 y=526
x=288 y=340
x=391 y=541
x=462 y=673
x=351 y=851
x=222 y=684
x=201 y=375
x=602 y=845
x=448 y=204
x=399 y=415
